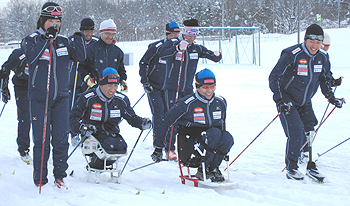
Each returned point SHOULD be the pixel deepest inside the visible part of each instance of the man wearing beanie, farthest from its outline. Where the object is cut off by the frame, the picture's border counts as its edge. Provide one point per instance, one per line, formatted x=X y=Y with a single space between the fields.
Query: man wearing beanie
x=201 y=117
x=48 y=55
x=294 y=80
x=182 y=56
x=153 y=72
x=101 y=54
x=100 y=110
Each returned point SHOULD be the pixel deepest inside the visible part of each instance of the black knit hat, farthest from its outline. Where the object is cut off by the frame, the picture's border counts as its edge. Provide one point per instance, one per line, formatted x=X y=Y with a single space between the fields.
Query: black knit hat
x=191 y=22
x=51 y=10
x=87 y=24
x=314 y=30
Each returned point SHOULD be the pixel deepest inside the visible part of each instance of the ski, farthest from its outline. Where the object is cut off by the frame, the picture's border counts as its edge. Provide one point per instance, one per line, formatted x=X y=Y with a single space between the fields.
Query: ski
x=315 y=175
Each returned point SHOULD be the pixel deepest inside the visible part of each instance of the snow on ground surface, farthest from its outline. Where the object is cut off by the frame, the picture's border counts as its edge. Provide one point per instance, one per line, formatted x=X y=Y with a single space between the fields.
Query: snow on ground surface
x=257 y=173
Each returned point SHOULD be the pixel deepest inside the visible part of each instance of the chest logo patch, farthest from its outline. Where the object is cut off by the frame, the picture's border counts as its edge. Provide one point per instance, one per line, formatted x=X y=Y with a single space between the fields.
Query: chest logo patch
x=198 y=109
x=96 y=106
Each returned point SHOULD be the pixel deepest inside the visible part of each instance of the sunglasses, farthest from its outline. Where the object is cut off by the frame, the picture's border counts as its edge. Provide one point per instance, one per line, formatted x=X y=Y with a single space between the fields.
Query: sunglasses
x=53 y=8
x=207 y=86
x=314 y=37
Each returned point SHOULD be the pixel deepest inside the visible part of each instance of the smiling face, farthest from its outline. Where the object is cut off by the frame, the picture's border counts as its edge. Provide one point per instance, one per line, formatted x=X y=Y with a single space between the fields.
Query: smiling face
x=313 y=45
x=88 y=34
x=108 y=37
x=207 y=90
x=109 y=90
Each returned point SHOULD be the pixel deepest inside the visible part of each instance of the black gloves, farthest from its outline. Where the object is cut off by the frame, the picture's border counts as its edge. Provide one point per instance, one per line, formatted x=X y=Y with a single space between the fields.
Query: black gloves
x=146 y=123
x=51 y=32
x=336 y=82
x=283 y=107
x=147 y=87
x=338 y=102
x=5 y=93
x=87 y=129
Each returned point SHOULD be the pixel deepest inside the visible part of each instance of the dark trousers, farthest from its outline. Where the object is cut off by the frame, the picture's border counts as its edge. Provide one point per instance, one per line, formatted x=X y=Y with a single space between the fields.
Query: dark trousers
x=57 y=127
x=23 y=117
x=300 y=120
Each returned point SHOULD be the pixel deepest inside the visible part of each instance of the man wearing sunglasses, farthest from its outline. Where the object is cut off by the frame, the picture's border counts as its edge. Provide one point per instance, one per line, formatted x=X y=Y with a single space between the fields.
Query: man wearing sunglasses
x=202 y=116
x=294 y=80
x=49 y=100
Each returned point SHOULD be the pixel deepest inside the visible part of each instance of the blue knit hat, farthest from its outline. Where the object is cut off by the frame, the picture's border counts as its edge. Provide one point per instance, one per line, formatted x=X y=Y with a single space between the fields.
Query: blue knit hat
x=172 y=27
x=109 y=76
x=205 y=76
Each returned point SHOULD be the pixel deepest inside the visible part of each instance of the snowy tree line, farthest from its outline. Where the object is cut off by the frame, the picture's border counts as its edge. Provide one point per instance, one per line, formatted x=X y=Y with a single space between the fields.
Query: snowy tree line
x=145 y=19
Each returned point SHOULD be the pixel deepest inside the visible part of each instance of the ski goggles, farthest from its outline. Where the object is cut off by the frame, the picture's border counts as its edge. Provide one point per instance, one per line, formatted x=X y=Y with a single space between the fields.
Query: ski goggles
x=314 y=37
x=53 y=8
x=190 y=30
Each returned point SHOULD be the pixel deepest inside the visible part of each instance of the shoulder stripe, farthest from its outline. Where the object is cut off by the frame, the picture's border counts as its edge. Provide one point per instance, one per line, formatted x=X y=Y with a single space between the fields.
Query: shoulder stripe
x=296 y=50
x=189 y=100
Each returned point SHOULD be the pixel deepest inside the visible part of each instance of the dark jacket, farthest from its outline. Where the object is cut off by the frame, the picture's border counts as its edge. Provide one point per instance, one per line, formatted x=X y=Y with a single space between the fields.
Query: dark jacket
x=17 y=62
x=92 y=107
x=37 y=50
x=298 y=74
x=100 y=56
x=153 y=68
x=190 y=57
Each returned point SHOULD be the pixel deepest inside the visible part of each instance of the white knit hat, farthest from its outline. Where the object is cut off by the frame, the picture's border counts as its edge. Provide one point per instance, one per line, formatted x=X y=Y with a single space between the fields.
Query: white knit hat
x=327 y=39
x=108 y=26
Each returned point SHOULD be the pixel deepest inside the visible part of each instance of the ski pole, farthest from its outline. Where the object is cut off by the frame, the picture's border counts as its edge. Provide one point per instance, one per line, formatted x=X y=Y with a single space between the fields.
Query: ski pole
x=88 y=133
x=45 y=117
x=319 y=155
x=75 y=85
x=135 y=104
x=146 y=165
x=2 y=109
x=131 y=152
x=147 y=134
x=254 y=139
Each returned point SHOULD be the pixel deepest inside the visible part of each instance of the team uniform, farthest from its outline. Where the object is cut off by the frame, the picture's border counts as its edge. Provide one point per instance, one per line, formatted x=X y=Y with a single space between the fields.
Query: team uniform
x=37 y=50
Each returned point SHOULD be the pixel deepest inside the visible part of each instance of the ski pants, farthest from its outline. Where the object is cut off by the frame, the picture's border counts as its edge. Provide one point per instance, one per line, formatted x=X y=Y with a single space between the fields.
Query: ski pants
x=218 y=140
x=57 y=126
x=23 y=118
x=300 y=120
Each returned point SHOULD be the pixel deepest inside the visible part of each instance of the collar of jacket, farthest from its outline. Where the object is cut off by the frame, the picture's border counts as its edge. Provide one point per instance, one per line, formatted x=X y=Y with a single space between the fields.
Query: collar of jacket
x=203 y=99
x=103 y=43
x=41 y=31
x=102 y=97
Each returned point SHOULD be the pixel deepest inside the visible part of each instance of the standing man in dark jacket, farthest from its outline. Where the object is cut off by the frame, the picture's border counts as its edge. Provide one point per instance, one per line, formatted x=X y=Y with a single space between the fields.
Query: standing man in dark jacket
x=201 y=112
x=46 y=51
x=182 y=56
x=17 y=62
x=153 y=72
x=102 y=54
x=294 y=80
x=102 y=108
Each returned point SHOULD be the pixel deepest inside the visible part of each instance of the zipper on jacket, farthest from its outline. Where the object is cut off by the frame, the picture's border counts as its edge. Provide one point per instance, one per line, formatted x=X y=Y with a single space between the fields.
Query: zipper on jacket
x=54 y=69
x=310 y=80
x=208 y=114
x=34 y=75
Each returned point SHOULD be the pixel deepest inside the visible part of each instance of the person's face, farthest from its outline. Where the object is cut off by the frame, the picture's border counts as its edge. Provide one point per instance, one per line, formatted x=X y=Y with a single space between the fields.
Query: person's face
x=207 y=90
x=48 y=23
x=88 y=34
x=173 y=35
x=189 y=38
x=109 y=90
x=313 y=45
x=325 y=46
x=108 y=37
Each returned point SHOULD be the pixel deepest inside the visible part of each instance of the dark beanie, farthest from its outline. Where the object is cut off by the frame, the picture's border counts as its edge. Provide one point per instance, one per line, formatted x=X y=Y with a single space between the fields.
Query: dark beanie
x=87 y=24
x=314 y=29
x=172 y=27
x=205 y=76
x=54 y=14
x=112 y=79
x=191 y=22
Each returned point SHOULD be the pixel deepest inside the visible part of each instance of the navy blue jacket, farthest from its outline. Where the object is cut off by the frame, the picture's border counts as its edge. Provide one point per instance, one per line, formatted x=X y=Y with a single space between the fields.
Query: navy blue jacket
x=37 y=50
x=100 y=56
x=17 y=62
x=92 y=107
x=195 y=111
x=153 y=68
x=191 y=56
x=298 y=74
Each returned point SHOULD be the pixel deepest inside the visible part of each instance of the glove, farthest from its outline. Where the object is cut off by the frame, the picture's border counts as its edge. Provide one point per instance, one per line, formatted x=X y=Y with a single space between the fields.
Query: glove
x=217 y=53
x=123 y=86
x=75 y=140
x=338 y=102
x=146 y=123
x=283 y=107
x=5 y=93
x=183 y=45
x=51 y=32
x=91 y=83
x=336 y=82
x=147 y=87
x=87 y=129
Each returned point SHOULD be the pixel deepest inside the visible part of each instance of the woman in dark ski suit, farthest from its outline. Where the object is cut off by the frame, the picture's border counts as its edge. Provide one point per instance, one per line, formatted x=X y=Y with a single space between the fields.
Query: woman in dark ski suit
x=37 y=49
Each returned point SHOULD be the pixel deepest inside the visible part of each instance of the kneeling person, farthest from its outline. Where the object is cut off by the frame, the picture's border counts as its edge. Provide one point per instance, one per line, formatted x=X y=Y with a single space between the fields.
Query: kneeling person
x=102 y=108
x=202 y=116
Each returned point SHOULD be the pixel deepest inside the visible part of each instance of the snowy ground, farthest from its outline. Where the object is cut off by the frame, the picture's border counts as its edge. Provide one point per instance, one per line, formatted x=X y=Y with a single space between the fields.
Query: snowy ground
x=256 y=174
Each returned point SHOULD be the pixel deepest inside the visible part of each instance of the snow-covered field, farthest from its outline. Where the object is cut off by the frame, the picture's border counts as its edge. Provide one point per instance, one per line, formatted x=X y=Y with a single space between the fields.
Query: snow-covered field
x=257 y=173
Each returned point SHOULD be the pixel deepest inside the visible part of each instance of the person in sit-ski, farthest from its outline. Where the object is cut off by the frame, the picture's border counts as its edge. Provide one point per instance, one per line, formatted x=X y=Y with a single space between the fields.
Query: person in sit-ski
x=100 y=110
x=202 y=115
